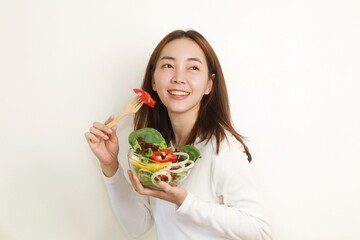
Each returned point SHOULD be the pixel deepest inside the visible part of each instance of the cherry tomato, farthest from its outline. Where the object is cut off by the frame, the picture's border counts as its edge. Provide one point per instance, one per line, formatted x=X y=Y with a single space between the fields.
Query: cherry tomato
x=145 y=97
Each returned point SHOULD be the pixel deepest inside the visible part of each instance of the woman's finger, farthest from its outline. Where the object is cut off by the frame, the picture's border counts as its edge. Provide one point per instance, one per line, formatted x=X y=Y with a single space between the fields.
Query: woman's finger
x=139 y=188
x=109 y=119
x=136 y=183
x=91 y=138
x=102 y=127
x=112 y=136
x=98 y=133
x=132 y=178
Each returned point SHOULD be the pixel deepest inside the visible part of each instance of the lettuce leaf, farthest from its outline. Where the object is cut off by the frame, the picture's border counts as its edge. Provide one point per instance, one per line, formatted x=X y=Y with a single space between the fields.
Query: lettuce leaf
x=148 y=135
x=194 y=153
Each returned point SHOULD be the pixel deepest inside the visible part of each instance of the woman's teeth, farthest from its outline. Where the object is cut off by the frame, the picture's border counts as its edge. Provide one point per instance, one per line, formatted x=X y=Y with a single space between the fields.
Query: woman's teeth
x=179 y=93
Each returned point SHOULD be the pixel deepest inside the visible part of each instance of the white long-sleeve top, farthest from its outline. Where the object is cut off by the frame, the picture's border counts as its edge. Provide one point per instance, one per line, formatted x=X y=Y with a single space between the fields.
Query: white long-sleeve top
x=222 y=201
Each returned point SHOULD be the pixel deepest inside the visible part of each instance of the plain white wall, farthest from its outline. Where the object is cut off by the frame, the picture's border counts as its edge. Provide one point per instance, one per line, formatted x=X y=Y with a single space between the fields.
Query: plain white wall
x=292 y=69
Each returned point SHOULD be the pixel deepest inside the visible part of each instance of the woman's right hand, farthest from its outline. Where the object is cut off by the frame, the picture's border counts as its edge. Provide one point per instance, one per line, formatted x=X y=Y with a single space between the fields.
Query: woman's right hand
x=104 y=143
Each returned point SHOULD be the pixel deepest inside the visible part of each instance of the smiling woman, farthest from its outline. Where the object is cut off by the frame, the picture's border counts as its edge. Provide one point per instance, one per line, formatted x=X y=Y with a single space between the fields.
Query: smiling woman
x=181 y=78
x=218 y=199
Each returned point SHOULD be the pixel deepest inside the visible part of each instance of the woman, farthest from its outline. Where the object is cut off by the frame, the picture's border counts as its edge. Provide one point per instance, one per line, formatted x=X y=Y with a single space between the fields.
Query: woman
x=218 y=200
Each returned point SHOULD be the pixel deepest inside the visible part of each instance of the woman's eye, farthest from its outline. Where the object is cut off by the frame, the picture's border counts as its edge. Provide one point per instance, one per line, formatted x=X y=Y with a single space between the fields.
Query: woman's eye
x=194 y=68
x=167 y=65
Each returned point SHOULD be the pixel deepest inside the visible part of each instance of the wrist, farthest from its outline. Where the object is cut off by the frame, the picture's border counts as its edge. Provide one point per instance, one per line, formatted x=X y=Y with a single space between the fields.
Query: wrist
x=182 y=197
x=110 y=169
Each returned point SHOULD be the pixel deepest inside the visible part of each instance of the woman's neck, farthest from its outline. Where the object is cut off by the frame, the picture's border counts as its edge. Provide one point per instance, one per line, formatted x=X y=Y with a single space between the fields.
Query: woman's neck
x=182 y=126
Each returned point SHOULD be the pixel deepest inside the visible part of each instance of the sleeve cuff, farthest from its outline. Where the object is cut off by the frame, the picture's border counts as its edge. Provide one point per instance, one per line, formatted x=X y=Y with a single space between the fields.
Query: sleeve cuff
x=187 y=204
x=115 y=178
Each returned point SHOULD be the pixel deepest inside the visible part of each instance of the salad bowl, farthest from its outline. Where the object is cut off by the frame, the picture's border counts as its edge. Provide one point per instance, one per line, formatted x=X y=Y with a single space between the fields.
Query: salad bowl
x=151 y=173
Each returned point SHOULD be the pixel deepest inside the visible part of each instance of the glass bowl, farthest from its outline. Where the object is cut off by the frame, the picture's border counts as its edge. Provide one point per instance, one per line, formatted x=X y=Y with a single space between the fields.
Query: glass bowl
x=151 y=173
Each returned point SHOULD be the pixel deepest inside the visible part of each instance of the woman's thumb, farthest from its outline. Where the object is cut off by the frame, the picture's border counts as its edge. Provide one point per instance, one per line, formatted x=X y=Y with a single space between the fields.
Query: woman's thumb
x=113 y=136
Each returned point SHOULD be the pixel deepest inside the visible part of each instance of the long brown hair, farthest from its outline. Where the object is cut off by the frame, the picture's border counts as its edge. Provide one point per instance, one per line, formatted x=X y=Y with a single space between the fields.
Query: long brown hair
x=214 y=114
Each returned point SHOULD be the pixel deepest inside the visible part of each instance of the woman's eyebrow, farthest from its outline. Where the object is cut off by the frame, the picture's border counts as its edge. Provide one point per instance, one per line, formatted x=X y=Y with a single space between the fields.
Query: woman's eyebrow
x=188 y=59
x=194 y=59
x=167 y=58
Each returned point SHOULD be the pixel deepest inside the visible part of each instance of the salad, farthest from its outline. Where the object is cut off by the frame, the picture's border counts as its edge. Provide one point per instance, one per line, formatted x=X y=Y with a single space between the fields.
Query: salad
x=153 y=161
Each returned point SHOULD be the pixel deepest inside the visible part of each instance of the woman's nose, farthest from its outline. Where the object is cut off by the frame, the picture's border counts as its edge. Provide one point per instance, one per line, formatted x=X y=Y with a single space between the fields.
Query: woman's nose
x=179 y=77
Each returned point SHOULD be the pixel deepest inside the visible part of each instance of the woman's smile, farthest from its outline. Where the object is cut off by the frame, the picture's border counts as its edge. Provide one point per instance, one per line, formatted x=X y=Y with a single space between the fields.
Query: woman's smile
x=178 y=93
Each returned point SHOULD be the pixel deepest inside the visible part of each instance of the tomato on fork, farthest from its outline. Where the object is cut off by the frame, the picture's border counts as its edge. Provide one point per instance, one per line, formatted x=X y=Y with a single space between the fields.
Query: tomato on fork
x=145 y=97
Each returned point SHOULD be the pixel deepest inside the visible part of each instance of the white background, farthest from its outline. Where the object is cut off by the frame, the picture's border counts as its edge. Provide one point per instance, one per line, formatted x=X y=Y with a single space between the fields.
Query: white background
x=292 y=69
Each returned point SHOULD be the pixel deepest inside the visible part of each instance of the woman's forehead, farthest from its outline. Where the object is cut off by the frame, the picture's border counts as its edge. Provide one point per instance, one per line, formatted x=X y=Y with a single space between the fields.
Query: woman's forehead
x=183 y=48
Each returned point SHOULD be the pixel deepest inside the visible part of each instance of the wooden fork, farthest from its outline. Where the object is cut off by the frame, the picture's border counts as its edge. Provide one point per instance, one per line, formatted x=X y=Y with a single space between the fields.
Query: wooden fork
x=131 y=107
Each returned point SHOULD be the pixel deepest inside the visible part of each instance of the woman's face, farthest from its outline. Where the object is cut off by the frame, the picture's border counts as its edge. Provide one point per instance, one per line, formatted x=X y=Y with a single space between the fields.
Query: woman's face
x=181 y=76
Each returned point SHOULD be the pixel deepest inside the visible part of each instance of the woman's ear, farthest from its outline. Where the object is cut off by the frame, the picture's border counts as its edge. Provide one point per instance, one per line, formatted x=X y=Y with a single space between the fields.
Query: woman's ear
x=210 y=84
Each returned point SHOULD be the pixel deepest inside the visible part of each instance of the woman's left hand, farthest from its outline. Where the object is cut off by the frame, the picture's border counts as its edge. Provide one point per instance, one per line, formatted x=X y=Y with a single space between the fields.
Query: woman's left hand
x=175 y=195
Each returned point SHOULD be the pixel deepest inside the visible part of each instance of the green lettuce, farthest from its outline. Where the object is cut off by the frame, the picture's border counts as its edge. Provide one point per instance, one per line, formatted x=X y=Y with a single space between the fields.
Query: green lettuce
x=148 y=135
x=194 y=153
